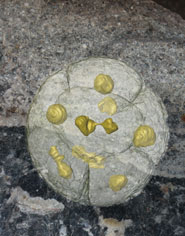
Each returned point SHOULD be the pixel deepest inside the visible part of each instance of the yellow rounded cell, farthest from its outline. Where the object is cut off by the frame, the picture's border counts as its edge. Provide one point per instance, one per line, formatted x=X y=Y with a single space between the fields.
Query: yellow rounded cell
x=109 y=126
x=117 y=182
x=64 y=170
x=85 y=124
x=56 y=114
x=103 y=84
x=144 y=136
x=108 y=105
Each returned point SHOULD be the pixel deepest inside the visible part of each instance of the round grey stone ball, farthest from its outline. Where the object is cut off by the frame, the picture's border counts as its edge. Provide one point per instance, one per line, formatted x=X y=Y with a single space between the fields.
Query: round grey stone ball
x=91 y=156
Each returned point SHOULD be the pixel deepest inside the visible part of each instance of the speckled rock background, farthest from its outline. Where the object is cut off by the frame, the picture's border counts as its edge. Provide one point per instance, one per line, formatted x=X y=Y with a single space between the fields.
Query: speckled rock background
x=40 y=37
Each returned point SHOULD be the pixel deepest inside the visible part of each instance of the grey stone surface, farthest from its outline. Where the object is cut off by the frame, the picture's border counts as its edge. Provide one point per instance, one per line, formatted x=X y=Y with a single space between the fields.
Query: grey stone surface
x=121 y=157
x=40 y=37
x=158 y=210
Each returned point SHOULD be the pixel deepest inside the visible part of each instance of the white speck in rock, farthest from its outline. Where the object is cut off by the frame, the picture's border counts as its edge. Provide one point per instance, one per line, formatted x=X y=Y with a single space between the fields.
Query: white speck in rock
x=26 y=4
x=84 y=45
x=63 y=230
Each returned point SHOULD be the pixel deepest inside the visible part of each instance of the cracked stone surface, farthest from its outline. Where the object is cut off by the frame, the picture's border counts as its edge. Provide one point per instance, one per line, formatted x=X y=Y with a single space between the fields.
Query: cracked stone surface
x=121 y=157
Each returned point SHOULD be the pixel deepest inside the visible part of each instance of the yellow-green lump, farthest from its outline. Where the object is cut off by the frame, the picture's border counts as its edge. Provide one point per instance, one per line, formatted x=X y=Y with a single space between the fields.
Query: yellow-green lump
x=117 y=182
x=64 y=170
x=144 y=136
x=87 y=125
x=108 y=105
x=56 y=114
x=103 y=84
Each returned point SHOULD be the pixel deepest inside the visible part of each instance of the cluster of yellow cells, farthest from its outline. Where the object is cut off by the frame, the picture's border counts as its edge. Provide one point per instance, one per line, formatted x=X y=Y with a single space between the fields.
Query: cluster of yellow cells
x=56 y=114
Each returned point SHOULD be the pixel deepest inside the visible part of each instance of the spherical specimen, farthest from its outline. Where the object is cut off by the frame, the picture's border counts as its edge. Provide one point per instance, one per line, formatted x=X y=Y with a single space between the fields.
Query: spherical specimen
x=109 y=146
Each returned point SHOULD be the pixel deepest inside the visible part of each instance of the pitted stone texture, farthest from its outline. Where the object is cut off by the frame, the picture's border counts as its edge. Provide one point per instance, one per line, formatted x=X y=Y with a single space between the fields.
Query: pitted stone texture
x=121 y=158
x=46 y=36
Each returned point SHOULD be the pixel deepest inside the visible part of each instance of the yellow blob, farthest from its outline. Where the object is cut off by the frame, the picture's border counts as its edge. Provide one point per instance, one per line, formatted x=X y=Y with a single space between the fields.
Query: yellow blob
x=64 y=170
x=144 y=136
x=91 y=158
x=109 y=126
x=55 y=154
x=108 y=105
x=85 y=124
x=117 y=182
x=56 y=114
x=88 y=126
x=103 y=84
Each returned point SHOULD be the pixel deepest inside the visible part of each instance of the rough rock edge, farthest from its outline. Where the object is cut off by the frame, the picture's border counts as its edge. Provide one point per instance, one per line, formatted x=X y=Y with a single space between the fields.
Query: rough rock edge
x=114 y=227
x=34 y=205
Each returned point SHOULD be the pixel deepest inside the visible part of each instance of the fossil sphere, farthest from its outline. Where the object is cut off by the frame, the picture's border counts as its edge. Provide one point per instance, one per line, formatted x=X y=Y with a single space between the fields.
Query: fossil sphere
x=96 y=133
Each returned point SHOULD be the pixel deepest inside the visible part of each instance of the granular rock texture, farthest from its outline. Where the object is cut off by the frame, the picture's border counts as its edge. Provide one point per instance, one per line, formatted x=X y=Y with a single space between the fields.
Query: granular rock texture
x=39 y=38
x=159 y=209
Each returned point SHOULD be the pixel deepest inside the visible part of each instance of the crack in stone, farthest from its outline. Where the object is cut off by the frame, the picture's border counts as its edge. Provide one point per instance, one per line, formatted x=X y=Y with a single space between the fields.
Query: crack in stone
x=85 y=189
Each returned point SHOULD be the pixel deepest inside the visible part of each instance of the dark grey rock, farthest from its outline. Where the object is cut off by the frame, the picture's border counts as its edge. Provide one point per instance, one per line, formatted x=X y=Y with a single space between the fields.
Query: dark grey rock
x=158 y=210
